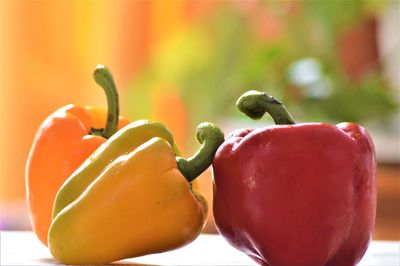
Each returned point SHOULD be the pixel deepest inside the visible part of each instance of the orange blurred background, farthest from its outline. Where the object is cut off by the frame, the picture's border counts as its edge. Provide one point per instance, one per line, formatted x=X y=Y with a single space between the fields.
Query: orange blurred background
x=48 y=53
x=49 y=49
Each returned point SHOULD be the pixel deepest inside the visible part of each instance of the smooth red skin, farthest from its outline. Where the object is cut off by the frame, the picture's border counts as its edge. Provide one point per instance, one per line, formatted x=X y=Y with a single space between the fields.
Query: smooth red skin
x=297 y=194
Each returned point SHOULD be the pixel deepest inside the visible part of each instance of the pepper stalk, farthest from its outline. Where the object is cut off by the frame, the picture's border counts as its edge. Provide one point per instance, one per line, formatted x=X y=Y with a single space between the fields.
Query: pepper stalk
x=103 y=77
x=255 y=104
x=210 y=137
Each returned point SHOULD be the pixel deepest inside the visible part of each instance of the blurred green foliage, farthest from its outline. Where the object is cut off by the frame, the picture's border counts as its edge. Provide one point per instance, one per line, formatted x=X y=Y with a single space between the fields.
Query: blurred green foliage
x=224 y=55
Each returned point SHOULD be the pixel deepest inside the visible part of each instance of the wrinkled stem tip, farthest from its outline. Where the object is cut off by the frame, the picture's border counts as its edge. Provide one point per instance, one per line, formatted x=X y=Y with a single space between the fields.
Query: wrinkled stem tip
x=207 y=130
x=255 y=104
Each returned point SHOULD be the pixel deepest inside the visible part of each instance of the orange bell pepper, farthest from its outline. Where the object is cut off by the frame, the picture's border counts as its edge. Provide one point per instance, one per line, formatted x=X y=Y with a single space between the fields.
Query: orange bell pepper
x=62 y=143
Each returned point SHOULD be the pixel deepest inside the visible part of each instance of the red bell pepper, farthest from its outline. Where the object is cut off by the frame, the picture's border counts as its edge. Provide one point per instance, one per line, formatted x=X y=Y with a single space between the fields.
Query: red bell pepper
x=295 y=194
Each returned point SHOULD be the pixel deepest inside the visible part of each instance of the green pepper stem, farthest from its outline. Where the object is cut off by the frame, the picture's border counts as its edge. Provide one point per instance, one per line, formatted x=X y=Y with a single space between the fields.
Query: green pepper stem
x=210 y=137
x=103 y=77
x=255 y=104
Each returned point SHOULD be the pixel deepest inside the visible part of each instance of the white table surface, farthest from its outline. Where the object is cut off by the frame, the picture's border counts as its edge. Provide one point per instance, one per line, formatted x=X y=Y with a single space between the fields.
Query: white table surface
x=23 y=248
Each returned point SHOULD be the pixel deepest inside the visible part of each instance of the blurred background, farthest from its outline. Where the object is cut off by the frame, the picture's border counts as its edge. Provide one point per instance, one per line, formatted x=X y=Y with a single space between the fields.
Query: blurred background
x=183 y=62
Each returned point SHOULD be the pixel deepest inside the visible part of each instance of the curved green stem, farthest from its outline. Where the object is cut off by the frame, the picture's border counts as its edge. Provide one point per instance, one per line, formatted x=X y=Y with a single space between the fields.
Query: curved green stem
x=210 y=138
x=103 y=77
x=255 y=104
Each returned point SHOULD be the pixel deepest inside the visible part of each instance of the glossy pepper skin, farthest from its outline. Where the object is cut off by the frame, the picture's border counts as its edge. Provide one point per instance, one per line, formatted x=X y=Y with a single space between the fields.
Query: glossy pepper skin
x=63 y=141
x=132 y=197
x=295 y=194
x=121 y=143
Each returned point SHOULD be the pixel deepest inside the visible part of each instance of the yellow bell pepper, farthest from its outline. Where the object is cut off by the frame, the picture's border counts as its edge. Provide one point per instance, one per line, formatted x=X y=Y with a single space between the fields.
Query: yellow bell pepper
x=123 y=142
x=132 y=197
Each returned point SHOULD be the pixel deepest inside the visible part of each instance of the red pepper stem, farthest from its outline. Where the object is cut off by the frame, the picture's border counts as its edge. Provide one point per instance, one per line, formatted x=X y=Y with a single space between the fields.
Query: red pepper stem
x=210 y=137
x=103 y=77
x=255 y=104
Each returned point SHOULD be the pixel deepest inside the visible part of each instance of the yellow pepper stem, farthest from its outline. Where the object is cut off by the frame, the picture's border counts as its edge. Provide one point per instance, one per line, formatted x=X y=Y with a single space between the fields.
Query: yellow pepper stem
x=210 y=137
x=103 y=77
